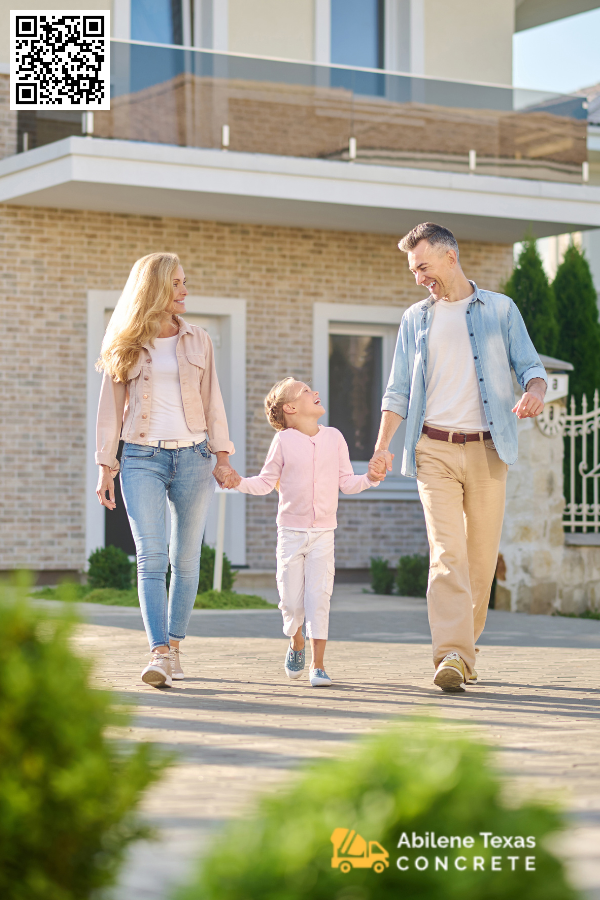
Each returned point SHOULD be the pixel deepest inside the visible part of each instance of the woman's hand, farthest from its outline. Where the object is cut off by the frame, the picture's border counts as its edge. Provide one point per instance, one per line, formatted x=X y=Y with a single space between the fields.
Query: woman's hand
x=222 y=468
x=232 y=479
x=106 y=483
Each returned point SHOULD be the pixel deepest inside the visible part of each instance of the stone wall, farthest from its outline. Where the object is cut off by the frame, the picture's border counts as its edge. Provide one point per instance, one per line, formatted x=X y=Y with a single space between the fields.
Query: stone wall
x=539 y=570
x=49 y=259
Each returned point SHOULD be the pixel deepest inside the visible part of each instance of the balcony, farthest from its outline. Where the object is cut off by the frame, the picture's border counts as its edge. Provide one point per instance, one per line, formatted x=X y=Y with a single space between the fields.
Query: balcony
x=310 y=146
x=202 y=99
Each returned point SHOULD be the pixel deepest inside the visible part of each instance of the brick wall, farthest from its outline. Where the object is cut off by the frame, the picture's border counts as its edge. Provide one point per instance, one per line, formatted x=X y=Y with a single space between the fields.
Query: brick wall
x=8 y=121
x=49 y=259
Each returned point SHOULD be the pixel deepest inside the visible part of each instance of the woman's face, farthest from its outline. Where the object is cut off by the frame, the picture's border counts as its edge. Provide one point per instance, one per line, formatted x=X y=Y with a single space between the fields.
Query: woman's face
x=179 y=292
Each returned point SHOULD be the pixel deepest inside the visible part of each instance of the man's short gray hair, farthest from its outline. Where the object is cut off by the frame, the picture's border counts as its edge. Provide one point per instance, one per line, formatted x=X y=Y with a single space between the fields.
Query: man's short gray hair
x=435 y=235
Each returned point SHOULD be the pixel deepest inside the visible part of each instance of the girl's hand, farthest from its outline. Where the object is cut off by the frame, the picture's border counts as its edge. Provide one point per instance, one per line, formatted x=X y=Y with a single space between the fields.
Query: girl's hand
x=232 y=479
x=106 y=483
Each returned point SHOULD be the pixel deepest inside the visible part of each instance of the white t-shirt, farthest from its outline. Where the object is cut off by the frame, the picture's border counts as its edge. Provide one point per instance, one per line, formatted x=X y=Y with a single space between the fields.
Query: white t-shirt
x=453 y=395
x=167 y=418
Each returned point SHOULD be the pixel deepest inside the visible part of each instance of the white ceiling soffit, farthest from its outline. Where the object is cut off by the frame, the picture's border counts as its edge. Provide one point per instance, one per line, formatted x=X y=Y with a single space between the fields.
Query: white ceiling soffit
x=178 y=182
x=529 y=13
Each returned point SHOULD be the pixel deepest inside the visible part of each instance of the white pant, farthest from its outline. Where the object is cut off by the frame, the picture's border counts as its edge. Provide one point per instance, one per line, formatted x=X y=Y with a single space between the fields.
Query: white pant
x=305 y=570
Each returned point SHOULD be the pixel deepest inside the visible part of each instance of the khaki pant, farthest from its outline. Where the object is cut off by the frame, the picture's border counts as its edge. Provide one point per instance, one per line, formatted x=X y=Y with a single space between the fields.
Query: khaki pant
x=462 y=489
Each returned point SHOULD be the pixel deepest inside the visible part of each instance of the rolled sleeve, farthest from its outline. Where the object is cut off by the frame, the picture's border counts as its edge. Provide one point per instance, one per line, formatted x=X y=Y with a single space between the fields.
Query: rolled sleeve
x=214 y=408
x=523 y=355
x=397 y=392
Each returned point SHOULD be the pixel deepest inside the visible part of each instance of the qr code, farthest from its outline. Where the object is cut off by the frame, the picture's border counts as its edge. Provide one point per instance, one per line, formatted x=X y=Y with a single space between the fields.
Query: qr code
x=59 y=59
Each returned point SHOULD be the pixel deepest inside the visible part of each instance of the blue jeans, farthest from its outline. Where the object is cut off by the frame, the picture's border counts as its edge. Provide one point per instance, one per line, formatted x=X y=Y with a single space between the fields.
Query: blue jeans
x=150 y=476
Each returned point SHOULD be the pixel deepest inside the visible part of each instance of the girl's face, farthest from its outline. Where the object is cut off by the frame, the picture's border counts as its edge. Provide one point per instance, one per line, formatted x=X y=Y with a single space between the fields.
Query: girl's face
x=305 y=402
x=179 y=292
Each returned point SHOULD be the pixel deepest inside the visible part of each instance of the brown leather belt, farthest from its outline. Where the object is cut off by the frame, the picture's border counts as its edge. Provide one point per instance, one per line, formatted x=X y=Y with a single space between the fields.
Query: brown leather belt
x=455 y=437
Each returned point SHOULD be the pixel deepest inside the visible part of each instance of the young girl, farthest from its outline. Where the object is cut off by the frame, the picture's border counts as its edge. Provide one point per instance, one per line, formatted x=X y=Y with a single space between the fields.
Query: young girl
x=309 y=464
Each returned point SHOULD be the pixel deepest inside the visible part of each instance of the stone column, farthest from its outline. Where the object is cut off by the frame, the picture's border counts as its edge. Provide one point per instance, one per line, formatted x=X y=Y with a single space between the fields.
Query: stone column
x=532 y=543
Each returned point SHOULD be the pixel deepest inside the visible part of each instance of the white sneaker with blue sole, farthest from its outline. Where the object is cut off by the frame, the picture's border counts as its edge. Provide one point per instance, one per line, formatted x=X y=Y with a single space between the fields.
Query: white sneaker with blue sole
x=294 y=663
x=319 y=678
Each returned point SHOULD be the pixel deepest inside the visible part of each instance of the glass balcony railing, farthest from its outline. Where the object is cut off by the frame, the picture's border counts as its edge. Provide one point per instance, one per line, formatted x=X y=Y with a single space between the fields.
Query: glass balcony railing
x=199 y=98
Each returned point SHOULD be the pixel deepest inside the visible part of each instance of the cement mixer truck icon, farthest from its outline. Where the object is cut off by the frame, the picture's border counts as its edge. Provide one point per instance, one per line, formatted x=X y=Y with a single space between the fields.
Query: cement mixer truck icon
x=351 y=851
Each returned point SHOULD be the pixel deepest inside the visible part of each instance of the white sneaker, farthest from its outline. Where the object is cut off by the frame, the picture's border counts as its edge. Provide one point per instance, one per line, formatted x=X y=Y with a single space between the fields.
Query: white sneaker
x=158 y=671
x=319 y=678
x=176 y=670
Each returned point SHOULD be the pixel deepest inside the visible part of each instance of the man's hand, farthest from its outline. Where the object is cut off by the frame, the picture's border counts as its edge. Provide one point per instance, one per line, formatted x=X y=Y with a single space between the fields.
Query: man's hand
x=531 y=403
x=380 y=464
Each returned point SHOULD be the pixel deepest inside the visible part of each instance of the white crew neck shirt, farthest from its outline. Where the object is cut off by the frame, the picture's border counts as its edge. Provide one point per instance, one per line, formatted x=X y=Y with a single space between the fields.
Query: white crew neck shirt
x=167 y=418
x=453 y=396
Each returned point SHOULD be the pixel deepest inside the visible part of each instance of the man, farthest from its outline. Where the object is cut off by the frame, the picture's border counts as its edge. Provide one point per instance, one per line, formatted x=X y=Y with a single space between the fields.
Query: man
x=451 y=380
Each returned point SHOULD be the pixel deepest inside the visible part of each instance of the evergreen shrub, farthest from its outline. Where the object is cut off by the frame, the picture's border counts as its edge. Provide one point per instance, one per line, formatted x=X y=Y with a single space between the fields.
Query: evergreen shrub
x=207 y=571
x=579 y=331
x=109 y=567
x=412 y=575
x=382 y=577
x=68 y=795
x=418 y=777
x=529 y=287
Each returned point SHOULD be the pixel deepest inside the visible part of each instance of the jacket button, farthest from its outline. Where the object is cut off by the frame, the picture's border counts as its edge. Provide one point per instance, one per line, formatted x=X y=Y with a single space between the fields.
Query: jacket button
x=146 y=378
x=148 y=360
x=142 y=434
x=146 y=395
x=145 y=416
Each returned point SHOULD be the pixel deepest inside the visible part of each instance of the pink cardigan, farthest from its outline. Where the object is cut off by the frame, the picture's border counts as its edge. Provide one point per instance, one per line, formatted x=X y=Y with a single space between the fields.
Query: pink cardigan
x=310 y=471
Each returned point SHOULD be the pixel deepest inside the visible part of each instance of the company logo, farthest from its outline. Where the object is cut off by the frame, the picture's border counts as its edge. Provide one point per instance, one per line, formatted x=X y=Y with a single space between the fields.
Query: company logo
x=351 y=851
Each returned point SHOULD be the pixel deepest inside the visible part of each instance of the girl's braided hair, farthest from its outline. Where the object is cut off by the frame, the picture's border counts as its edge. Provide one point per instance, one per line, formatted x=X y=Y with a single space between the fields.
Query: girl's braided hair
x=278 y=396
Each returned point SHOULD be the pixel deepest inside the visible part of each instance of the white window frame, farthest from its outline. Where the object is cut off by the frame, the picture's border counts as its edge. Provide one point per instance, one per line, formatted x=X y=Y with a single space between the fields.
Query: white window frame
x=354 y=319
x=233 y=386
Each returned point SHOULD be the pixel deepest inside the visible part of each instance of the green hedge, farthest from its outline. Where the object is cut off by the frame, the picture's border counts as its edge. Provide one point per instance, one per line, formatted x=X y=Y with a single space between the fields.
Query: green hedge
x=68 y=796
x=418 y=777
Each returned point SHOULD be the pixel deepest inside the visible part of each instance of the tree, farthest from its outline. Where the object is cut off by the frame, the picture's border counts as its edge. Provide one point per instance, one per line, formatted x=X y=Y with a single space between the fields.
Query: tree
x=579 y=330
x=529 y=287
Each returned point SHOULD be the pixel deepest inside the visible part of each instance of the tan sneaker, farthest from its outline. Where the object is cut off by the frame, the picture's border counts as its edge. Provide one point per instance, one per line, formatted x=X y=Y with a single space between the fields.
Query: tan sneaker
x=474 y=678
x=176 y=670
x=450 y=674
x=158 y=671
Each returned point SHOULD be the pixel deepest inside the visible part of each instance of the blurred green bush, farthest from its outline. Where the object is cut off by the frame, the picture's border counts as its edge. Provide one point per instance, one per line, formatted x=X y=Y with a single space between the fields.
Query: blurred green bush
x=207 y=571
x=412 y=575
x=109 y=567
x=382 y=577
x=418 y=777
x=68 y=796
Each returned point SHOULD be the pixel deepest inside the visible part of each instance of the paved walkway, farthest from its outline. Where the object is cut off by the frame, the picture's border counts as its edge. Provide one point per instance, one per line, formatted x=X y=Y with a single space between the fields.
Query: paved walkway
x=239 y=726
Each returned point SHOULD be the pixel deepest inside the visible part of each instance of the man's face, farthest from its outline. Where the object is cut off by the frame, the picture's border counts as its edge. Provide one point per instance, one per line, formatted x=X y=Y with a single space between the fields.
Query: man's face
x=433 y=267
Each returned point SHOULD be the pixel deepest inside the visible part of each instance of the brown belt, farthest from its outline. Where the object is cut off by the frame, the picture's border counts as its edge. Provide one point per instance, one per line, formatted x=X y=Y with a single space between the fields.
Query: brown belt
x=455 y=437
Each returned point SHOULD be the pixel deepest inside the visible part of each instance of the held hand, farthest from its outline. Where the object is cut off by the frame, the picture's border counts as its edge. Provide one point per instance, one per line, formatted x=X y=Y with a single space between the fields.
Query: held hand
x=529 y=406
x=106 y=483
x=232 y=479
x=380 y=464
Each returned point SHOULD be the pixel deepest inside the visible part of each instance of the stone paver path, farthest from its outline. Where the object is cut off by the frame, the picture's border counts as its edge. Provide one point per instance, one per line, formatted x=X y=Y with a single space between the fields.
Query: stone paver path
x=239 y=726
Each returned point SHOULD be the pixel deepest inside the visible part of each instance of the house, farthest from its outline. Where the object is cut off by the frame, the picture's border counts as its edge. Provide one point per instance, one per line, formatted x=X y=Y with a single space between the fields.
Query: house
x=281 y=149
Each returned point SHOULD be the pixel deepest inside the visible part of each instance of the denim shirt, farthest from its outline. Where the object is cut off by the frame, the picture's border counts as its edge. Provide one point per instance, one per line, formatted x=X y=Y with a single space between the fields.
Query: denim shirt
x=499 y=342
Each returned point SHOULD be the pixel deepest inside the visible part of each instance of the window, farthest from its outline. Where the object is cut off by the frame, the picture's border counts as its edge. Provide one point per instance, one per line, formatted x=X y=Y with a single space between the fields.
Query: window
x=157 y=21
x=355 y=381
x=357 y=33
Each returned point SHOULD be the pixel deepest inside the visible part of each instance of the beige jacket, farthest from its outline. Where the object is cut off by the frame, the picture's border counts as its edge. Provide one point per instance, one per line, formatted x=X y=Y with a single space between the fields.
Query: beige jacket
x=124 y=409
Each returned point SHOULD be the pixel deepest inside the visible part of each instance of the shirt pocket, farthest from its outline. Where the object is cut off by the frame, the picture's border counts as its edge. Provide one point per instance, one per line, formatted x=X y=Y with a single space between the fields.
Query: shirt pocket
x=198 y=363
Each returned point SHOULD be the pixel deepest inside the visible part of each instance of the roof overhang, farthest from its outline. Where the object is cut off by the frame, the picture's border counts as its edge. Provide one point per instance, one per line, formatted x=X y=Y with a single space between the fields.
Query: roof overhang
x=530 y=13
x=181 y=182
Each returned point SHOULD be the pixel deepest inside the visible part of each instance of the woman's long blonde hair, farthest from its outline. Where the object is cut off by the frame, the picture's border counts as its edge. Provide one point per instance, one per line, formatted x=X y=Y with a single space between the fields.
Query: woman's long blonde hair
x=139 y=313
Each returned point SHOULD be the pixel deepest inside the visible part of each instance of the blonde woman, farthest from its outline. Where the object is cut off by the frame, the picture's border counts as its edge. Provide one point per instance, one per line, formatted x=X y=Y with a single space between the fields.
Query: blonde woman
x=161 y=396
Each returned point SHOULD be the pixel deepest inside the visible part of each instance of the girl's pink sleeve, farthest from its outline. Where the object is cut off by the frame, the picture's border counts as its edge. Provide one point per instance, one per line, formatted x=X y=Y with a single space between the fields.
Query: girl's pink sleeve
x=349 y=482
x=269 y=475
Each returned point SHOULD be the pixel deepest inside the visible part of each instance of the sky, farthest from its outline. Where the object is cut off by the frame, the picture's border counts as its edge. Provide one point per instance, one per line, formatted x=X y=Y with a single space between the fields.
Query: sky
x=562 y=56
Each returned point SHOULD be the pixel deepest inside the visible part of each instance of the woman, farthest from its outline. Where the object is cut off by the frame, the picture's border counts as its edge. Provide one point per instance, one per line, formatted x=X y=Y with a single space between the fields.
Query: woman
x=160 y=394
